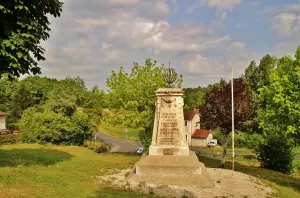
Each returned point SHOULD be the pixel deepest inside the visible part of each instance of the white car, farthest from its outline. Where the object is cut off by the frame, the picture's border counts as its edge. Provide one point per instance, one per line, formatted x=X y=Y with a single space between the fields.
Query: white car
x=212 y=143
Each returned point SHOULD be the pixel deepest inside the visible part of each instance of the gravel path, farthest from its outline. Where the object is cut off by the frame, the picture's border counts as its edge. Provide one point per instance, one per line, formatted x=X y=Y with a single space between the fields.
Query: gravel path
x=226 y=184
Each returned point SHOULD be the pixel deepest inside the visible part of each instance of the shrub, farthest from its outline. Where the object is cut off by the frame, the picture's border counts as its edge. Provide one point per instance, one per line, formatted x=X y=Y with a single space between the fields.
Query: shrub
x=8 y=139
x=253 y=141
x=56 y=128
x=276 y=153
x=96 y=146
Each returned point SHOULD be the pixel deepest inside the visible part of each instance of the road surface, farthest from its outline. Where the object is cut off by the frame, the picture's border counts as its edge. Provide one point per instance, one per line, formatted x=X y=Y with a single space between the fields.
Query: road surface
x=119 y=145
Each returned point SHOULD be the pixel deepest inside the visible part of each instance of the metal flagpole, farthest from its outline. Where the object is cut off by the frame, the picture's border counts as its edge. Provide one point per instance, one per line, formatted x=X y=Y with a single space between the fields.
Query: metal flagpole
x=232 y=107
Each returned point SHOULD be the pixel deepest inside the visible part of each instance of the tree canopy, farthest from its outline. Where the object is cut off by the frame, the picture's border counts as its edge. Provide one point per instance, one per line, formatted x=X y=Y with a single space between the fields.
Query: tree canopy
x=23 y=24
x=131 y=96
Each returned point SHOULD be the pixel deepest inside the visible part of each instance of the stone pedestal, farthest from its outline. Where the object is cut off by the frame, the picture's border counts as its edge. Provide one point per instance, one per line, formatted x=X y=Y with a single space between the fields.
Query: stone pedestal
x=169 y=160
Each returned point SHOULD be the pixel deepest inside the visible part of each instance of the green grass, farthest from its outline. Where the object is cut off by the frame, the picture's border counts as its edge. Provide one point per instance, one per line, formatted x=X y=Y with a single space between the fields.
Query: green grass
x=31 y=170
x=287 y=186
x=118 y=131
x=229 y=150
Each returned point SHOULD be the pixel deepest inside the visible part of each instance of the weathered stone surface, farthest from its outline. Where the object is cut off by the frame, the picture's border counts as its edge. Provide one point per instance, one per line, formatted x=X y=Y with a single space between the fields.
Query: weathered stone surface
x=172 y=170
x=169 y=160
x=169 y=136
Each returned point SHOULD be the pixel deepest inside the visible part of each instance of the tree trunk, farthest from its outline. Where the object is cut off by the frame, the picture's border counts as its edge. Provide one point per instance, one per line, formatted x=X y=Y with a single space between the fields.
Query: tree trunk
x=224 y=153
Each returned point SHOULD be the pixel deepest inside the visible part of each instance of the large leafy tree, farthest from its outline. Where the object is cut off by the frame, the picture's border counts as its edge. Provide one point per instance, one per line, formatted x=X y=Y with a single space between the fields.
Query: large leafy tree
x=132 y=97
x=23 y=24
x=216 y=111
x=257 y=76
x=282 y=98
x=280 y=119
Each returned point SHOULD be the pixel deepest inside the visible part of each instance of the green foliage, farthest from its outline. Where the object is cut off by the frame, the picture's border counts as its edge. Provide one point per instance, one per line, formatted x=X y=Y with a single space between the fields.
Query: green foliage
x=43 y=127
x=8 y=139
x=193 y=97
x=282 y=104
x=276 y=153
x=81 y=129
x=25 y=24
x=252 y=141
x=132 y=97
x=56 y=128
x=96 y=146
x=20 y=100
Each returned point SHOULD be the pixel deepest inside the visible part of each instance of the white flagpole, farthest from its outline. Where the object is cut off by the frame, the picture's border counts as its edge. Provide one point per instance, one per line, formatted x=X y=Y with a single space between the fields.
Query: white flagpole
x=232 y=107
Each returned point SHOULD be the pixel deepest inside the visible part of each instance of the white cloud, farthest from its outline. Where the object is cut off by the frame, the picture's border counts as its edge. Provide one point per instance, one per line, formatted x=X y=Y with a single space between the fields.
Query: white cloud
x=221 y=4
x=92 y=38
x=198 y=64
x=286 y=23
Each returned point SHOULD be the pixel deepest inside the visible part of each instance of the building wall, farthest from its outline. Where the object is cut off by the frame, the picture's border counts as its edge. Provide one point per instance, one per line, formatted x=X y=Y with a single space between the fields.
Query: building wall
x=195 y=119
x=2 y=122
x=199 y=142
x=188 y=130
x=190 y=127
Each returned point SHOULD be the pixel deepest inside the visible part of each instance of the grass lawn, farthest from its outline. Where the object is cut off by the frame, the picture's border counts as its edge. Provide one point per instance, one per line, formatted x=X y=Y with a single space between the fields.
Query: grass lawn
x=31 y=170
x=118 y=131
x=287 y=186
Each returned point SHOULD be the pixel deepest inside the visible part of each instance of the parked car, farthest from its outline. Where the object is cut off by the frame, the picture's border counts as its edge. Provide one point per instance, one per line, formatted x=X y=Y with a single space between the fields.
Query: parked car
x=212 y=143
x=5 y=132
x=139 y=150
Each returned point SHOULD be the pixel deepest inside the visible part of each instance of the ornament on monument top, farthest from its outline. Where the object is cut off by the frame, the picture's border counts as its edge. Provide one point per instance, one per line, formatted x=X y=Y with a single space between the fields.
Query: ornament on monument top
x=169 y=75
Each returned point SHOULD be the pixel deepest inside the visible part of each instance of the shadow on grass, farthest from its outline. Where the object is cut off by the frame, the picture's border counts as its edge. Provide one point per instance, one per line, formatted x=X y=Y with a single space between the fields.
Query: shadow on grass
x=270 y=175
x=118 y=193
x=28 y=157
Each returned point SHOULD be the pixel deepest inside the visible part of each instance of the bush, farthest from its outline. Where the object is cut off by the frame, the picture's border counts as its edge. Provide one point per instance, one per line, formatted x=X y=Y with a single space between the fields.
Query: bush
x=96 y=146
x=253 y=141
x=8 y=139
x=276 y=153
x=56 y=128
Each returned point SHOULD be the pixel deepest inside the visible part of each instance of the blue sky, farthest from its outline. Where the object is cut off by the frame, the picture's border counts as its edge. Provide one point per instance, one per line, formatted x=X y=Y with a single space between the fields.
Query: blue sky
x=201 y=38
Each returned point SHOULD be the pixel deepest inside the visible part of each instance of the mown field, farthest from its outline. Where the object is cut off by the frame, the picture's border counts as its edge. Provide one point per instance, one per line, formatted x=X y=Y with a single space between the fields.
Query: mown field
x=32 y=170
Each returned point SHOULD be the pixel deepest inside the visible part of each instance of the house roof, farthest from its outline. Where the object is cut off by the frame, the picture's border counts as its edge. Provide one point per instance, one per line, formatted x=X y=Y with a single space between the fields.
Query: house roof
x=201 y=133
x=2 y=113
x=189 y=114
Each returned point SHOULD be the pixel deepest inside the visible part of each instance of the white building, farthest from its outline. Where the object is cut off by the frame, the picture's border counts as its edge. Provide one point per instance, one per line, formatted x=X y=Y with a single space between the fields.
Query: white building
x=194 y=135
x=2 y=120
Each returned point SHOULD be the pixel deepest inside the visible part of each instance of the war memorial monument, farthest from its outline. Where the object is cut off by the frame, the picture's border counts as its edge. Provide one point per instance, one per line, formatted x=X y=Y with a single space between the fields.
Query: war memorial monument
x=169 y=160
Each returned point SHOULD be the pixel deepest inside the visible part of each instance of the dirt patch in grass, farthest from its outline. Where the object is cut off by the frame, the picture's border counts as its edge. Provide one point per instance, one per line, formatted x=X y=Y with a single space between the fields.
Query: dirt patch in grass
x=226 y=184
x=13 y=192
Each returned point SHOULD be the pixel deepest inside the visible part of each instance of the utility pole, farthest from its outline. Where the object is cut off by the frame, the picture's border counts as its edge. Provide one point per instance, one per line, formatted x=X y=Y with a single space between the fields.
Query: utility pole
x=232 y=121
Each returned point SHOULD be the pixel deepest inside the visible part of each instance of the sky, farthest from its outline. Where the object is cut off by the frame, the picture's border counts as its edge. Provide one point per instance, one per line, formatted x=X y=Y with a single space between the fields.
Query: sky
x=201 y=38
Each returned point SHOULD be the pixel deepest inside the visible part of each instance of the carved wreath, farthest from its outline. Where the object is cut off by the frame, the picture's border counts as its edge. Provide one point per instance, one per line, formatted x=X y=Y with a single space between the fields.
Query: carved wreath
x=169 y=102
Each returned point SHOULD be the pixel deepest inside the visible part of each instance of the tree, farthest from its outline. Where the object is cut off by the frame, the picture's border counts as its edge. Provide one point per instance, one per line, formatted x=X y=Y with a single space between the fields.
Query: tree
x=282 y=98
x=50 y=127
x=21 y=100
x=132 y=97
x=216 y=111
x=22 y=25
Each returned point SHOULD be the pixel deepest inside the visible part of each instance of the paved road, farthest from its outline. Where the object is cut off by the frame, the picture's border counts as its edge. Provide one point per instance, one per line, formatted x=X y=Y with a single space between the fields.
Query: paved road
x=119 y=145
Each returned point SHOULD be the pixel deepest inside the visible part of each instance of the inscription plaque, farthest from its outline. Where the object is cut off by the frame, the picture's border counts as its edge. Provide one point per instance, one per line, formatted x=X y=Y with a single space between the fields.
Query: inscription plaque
x=168 y=151
x=169 y=129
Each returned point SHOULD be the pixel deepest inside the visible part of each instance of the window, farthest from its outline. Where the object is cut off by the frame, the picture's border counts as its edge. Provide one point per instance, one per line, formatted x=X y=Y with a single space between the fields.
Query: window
x=185 y=123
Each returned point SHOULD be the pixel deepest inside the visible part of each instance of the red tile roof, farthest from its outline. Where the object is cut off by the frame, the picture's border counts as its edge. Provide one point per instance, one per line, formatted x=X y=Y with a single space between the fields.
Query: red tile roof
x=189 y=114
x=2 y=113
x=201 y=133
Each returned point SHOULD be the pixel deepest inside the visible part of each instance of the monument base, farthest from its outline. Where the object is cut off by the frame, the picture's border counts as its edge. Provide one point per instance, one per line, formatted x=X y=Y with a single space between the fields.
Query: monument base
x=169 y=150
x=171 y=170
